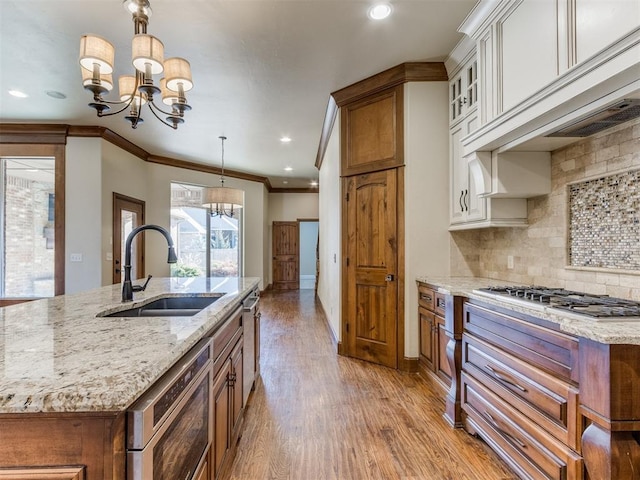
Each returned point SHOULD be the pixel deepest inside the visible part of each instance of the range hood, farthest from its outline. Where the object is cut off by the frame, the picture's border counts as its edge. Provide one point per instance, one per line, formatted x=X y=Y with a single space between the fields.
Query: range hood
x=610 y=116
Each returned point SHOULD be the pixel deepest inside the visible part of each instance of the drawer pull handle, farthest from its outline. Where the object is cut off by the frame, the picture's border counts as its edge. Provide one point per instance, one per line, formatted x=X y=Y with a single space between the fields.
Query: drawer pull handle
x=426 y=297
x=441 y=303
x=501 y=431
x=503 y=379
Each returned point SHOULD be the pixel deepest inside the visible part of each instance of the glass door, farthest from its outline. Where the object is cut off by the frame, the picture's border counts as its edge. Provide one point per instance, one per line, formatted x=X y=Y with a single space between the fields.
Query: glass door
x=128 y=213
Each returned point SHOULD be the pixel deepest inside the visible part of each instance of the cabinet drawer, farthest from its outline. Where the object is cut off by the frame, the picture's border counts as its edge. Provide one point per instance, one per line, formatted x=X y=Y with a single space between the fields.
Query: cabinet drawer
x=528 y=449
x=426 y=297
x=550 y=350
x=546 y=400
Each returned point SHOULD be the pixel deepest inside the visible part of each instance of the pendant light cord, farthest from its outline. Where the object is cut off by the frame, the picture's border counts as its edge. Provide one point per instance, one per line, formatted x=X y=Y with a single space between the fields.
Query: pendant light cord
x=222 y=138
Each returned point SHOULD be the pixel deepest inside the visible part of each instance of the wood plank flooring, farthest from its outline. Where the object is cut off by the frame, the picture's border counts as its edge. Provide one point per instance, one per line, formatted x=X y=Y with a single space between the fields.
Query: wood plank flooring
x=318 y=416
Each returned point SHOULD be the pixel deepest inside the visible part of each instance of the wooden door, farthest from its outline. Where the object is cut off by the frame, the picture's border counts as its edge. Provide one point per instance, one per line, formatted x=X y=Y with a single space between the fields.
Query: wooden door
x=370 y=276
x=128 y=213
x=286 y=274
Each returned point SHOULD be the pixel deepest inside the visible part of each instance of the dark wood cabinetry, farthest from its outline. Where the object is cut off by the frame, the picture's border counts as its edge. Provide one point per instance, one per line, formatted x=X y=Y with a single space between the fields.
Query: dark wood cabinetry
x=519 y=390
x=440 y=329
x=433 y=337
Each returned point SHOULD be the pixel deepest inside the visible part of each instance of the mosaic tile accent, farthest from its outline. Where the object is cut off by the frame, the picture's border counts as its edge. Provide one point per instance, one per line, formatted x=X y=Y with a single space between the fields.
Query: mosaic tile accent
x=604 y=222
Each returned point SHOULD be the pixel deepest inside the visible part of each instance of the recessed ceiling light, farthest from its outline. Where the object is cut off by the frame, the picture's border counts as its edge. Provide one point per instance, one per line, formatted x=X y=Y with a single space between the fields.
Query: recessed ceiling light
x=56 y=95
x=285 y=181
x=288 y=169
x=314 y=183
x=380 y=11
x=285 y=139
x=18 y=94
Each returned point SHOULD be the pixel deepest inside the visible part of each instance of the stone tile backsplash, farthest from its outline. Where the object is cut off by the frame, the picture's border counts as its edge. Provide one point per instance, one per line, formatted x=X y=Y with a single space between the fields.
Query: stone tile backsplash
x=541 y=250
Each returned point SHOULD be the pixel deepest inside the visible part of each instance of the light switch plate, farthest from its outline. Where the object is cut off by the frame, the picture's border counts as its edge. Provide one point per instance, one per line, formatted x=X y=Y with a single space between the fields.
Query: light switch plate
x=76 y=257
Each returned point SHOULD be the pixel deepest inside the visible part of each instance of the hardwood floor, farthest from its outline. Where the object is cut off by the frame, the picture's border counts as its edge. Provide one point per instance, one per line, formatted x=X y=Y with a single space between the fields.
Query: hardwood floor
x=318 y=416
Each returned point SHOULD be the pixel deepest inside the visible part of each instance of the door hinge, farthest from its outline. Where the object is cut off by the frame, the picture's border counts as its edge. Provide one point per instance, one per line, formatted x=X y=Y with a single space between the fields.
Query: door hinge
x=347 y=325
x=347 y=259
x=346 y=197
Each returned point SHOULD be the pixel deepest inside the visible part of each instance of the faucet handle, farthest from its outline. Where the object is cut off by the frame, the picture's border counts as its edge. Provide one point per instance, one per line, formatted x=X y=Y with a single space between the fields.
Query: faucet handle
x=141 y=288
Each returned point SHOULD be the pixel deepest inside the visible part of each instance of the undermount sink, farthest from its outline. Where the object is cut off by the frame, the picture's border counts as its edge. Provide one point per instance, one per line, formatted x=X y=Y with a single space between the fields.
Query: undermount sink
x=166 y=307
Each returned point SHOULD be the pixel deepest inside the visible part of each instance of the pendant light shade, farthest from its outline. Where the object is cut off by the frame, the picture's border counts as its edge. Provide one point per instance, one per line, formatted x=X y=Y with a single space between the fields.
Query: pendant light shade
x=95 y=50
x=106 y=80
x=126 y=88
x=222 y=200
x=177 y=71
x=147 y=51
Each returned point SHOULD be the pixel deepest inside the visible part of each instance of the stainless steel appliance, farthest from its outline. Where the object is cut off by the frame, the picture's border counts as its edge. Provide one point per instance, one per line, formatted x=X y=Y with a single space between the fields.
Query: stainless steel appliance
x=251 y=338
x=170 y=428
x=582 y=305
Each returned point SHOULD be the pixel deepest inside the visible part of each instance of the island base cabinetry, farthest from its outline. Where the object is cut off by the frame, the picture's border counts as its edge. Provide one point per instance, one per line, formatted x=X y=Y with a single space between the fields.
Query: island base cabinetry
x=519 y=391
x=62 y=446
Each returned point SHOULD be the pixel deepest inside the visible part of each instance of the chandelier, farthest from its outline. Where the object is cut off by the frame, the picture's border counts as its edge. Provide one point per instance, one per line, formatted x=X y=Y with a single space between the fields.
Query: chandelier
x=222 y=200
x=96 y=61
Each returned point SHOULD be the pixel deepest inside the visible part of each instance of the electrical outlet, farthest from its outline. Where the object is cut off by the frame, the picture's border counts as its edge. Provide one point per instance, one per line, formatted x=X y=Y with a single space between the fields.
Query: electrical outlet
x=109 y=257
x=76 y=257
x=510 y=262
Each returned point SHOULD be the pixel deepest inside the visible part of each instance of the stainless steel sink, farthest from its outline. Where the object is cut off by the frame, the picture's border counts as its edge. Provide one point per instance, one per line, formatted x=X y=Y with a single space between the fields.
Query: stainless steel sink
x=166 y=307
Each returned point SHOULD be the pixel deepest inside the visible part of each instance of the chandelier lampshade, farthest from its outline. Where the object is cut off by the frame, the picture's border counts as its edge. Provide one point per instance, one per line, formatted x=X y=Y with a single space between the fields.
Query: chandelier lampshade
x=95 y=50
x=106 y=80
x=147 y=56
x=147 y=52
x=177 y=73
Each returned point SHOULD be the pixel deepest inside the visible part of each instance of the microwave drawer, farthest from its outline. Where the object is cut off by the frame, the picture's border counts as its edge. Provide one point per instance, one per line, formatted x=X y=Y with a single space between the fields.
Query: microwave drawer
x=531 y=451
x=546 y=400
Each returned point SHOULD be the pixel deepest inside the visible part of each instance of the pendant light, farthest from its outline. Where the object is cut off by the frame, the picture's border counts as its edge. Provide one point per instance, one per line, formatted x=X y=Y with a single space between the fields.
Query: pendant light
x=223 y=200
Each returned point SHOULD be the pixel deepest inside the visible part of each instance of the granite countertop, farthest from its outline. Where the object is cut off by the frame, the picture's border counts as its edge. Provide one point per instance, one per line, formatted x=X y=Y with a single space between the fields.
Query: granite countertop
x=56 y=355
x=603 y=331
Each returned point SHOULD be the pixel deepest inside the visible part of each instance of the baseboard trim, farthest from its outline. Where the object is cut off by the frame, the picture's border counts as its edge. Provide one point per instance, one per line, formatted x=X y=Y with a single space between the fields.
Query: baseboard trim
x=334 y=340
x=409 y=364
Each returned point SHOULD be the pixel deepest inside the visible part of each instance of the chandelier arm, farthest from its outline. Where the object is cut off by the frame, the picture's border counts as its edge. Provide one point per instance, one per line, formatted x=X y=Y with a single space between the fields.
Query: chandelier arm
x=126 y=105
x=161 y=110
x=174 y=126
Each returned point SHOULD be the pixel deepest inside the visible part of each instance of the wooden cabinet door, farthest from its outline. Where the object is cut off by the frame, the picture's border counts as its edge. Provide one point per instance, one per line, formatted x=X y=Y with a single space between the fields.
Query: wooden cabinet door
x=372 y=136
x=236 y=388
x=221 y=435
x=286 y=274
x=370 y=293
x=427 y=352
x=441 y=339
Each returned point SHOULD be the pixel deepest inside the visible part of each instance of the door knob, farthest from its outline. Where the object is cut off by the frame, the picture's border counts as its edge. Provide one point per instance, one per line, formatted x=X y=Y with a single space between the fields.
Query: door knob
x=389 y=277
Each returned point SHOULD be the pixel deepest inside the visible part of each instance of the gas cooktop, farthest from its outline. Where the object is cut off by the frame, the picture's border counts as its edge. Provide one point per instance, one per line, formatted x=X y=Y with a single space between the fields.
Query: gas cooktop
x=583 y=305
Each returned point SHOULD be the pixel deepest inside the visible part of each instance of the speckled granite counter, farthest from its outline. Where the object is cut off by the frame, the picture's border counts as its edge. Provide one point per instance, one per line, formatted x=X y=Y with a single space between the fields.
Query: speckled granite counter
x=56 y=355
x=609 y=332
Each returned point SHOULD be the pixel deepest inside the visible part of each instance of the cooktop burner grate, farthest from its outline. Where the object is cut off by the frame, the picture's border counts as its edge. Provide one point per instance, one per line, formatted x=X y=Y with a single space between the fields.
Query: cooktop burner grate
x=600 y=306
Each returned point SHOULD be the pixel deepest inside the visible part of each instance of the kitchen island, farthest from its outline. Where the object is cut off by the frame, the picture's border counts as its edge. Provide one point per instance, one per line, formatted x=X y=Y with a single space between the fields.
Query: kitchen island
x=71 y=374
x=554 y=394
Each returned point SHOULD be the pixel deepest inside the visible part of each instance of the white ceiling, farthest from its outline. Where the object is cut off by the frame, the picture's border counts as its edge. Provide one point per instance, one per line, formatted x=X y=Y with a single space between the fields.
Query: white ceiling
x=261 y=68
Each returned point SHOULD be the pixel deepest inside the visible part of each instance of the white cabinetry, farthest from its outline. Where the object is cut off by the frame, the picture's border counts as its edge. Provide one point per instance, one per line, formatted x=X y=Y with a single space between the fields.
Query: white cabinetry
x=465 y=205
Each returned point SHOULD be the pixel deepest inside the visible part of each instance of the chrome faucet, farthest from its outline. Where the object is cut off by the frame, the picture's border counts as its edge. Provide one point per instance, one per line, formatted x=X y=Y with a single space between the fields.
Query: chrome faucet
x=127 y=287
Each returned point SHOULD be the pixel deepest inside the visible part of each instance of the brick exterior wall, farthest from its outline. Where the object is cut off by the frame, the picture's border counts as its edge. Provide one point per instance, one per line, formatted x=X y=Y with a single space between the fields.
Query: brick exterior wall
x=29 y=264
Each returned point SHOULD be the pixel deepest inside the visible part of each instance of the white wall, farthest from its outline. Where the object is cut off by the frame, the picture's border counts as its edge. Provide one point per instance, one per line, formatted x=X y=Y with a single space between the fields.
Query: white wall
x=96 y=168
x=426 y=149
x=125 y=174
x=329 y=280
x=288 y=207
x=83 y=215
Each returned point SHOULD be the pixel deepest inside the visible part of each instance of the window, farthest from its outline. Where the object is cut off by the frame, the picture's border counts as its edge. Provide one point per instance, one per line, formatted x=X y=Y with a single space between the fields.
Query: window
x=205 y=245
x=27 y=234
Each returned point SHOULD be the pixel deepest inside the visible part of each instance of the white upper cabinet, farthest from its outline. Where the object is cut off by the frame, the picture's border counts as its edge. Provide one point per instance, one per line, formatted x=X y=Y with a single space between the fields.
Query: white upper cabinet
x=600 y=23
x=529 y=50
x=542 y=64
x=463 y=92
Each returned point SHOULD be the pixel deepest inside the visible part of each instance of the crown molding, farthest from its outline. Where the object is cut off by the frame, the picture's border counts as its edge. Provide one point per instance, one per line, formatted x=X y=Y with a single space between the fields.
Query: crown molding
x=45 y=133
